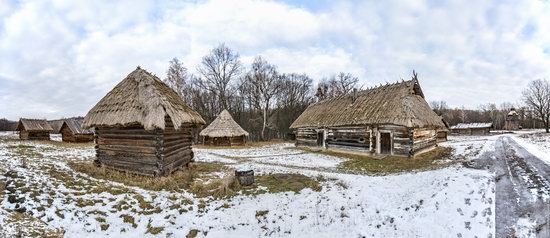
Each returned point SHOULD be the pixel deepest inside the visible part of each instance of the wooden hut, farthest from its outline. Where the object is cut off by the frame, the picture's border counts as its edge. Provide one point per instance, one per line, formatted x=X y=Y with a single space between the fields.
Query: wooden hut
x=391 y=119
x=143 y=126
x=33 y=129
x=443 y=132
x=224 y=131
x=477 y=128
x=512 y=122
x=72 y=131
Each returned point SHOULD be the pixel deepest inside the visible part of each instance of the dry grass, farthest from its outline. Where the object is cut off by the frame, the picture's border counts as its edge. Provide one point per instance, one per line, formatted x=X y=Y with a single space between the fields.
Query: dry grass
x=182 y=179
x=249 y=144
x=391 y=164
x=199 y=180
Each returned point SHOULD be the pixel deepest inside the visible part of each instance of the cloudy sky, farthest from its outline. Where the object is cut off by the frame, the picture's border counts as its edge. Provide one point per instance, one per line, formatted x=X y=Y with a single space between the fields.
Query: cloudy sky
x=58 y=58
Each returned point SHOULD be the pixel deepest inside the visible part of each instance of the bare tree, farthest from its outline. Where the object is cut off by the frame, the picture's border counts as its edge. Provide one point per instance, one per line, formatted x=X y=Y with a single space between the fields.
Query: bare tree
x=294 y=97
x=261 y=84
x=439 y=107
x=337 y=85
x=218 y=69
x=176 y=76
x=537 y=97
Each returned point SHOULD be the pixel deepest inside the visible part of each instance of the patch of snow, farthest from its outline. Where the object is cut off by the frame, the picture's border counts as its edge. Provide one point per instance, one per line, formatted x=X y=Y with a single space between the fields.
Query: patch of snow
x=537 y=144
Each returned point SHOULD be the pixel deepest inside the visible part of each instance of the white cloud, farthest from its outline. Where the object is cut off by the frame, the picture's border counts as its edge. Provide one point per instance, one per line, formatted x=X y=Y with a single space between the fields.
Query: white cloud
x=60 y=57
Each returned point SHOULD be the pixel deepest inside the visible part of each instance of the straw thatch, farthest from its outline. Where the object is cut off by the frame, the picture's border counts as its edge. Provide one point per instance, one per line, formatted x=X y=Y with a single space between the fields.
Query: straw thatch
x=223 y=126
x=33 y=125
x=401 y=104
x=56 y=125
x=75 y=125
x=141 y=98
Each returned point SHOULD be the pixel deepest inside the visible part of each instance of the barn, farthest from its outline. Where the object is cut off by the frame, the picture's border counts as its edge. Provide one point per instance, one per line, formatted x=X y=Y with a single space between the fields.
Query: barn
x=33 y=129
x=476 y=128
x=224 y=131
x=142 y=126
x=391 y=119
x=71 y=131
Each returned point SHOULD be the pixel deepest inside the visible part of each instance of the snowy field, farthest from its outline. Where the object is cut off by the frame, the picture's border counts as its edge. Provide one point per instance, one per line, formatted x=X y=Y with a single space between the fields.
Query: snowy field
x=537 y=143
x=449 y=202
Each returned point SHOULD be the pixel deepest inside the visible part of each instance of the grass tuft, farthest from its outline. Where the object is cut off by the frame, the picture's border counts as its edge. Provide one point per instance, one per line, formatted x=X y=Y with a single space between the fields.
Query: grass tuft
x=392 y=164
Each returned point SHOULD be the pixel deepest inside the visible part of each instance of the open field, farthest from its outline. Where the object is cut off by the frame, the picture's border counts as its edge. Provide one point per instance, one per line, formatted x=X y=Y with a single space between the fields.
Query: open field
x=52 y=188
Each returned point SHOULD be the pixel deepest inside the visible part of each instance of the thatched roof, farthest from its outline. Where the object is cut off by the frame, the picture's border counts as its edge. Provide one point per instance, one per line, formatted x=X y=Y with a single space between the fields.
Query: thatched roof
x=223 y=126
x=475 y=125
x=141 y=98
x=400 y=103
x=56 y=125
x=33 y=125
x=75 y=125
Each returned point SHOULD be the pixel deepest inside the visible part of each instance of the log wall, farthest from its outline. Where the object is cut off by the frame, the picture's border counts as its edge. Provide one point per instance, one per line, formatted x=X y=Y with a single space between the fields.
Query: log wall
x=133 y=149
x=34 y=135
x=306 y=137
x=423 y=139
x=404 y=141
x=225 y=141
x=68 y=136
x=350 y=138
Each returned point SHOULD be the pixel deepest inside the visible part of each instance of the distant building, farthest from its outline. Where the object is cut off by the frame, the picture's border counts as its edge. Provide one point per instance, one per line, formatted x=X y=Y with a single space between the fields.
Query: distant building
x=71 y=131
x=224 y=131
x=512 y=121
x=472 y=128
x=33 y=129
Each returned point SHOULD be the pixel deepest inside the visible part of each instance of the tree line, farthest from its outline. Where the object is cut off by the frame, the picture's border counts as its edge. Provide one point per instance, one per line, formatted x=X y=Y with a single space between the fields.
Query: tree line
x=533 y=110
x=263 y=100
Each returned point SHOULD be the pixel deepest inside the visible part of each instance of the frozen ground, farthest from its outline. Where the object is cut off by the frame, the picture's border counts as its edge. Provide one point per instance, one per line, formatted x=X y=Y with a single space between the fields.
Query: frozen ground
x=450 y=202
x=537 y=143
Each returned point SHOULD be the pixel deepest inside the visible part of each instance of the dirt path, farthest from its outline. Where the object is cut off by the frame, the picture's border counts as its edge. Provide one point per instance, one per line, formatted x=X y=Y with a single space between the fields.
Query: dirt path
x=522 y=190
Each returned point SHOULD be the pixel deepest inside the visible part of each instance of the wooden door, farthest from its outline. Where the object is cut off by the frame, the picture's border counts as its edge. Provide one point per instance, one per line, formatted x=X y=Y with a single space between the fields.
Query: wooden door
x=385 y=143
x=320 y=138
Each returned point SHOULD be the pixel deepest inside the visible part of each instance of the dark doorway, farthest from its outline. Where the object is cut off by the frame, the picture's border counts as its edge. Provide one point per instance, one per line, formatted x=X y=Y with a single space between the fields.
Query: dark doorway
x=385 y=143
x=320 y=138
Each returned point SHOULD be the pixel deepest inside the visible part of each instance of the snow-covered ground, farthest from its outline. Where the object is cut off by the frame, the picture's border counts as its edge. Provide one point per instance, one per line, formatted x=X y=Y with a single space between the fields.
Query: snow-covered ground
x=449 y=202
x=470 y=147
x=537 y=143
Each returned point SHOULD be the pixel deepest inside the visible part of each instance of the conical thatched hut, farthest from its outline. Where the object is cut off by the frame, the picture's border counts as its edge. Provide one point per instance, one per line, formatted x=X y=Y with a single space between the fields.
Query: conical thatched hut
x=143 y=126
x=224 y=131
x=72 y=131
x=391 y=119
x=33 y=129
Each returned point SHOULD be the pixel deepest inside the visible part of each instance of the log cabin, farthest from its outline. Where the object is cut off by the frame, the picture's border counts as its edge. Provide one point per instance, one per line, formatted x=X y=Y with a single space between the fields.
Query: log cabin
x=393 y=119
x=142 y=126
x=476 y=128
x=224 y=131
x=33 y=129
x=71 y=131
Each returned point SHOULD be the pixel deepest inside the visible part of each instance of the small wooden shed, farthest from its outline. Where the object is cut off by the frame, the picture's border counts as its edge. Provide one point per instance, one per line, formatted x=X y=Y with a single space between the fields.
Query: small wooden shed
x=224 y=131
x=390 y=119
x=33 y=129
x=72 y=131
x=477 y=128
x=143 y=126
